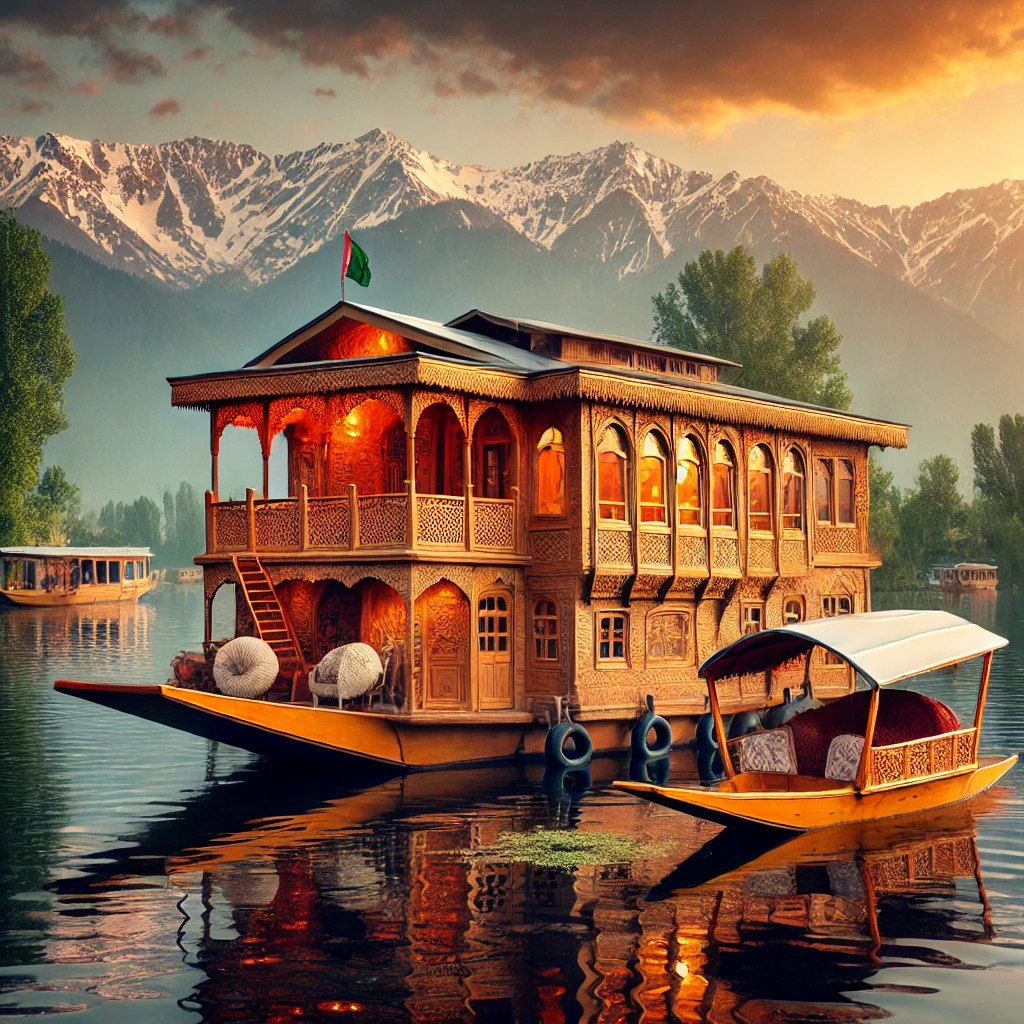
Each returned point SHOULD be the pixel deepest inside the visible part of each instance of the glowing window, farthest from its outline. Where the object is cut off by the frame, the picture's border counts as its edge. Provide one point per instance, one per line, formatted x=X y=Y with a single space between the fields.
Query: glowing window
x=792 y=491
x=759 y=487
x=652 y=481
x=723 y=489
x=545 y=630
x=823 y=490
x=551 y=473
x=688 y=484
x=611 y=475
x=844 y=493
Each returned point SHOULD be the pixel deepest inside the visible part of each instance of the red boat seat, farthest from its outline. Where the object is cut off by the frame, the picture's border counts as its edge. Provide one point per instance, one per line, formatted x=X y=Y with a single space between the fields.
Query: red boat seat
x=902 y=715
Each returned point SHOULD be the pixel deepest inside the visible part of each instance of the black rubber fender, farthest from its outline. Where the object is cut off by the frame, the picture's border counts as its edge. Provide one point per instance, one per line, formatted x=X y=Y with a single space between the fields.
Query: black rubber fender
x=662 y=733
x=743 y=723
x=651 y=770
x=554 y=745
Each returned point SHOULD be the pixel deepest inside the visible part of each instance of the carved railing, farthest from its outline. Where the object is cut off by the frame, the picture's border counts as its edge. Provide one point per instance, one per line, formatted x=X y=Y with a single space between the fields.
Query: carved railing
x=329 y=522
x=493 y=523
x=277 y=525
x=382 y=520
x=441 y=520
x=899 y=763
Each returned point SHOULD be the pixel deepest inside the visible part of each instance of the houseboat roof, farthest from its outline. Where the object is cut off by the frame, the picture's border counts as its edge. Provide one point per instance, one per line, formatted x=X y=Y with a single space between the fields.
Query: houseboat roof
x=883 y=647
x=58 y=552
x=405 y=349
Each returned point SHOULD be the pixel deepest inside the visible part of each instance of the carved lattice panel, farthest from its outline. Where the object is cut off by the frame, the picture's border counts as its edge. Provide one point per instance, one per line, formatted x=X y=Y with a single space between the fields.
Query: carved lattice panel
x=836 y=539
x=793 y=555
x=693 y=552
x=277 y=525
x=550 y=545
x=231 y=526
x=614 y=547
x=382 y=519
x=656 y=549
x=441 y=519
x=726 y=554
x=494 y=524
x=761 y=556
x=328 y=522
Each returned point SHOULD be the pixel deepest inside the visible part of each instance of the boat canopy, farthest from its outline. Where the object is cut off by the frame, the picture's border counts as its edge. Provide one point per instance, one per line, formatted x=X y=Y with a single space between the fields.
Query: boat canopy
x=53 y=552
x=882 y=646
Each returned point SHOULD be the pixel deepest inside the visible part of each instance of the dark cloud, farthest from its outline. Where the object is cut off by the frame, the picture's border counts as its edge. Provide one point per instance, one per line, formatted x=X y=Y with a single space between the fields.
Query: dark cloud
x=167 y=107
x=327 y=94
x=26 y=66
x=129 y=66
x=197 y=53
x=675 y=61
x=86 y=87
x=29 y=105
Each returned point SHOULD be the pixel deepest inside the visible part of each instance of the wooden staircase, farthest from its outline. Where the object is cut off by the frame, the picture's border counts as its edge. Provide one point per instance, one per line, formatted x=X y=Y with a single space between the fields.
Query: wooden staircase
x=269 y=617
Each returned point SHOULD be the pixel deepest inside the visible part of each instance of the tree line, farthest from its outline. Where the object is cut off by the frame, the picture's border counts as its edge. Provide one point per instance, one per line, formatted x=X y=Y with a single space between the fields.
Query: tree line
x=933 y=523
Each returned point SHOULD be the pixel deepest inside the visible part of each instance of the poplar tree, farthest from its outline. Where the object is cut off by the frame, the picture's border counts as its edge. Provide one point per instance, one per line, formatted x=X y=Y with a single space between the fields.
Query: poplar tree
x=36 y=358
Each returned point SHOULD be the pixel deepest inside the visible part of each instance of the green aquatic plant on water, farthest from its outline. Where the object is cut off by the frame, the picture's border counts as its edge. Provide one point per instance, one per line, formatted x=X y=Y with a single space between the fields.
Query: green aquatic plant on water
x=564 y=848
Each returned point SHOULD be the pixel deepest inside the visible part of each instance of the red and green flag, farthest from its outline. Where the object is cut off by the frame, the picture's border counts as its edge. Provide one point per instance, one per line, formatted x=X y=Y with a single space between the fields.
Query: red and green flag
x=354 y=264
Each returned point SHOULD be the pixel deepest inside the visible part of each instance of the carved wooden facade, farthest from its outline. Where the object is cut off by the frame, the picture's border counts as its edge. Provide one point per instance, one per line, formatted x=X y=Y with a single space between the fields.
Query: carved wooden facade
x=478 y=497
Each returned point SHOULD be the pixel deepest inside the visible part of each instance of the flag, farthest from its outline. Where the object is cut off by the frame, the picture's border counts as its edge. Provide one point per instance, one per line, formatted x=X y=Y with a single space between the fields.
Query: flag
x=354 y=263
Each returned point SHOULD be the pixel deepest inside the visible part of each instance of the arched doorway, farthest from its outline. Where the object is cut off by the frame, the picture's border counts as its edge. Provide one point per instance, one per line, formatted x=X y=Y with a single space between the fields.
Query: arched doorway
x=494 y=648
x=439 y=452
x=493 y=456
x=442 y=623
x=366 y=447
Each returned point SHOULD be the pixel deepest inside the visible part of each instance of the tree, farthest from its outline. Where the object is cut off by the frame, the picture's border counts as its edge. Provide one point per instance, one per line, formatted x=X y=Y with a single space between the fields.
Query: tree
x=36 y=358
x=934 y=519
x=189 y=524
x=50 y=515
x=999 y=469
x=719 y=306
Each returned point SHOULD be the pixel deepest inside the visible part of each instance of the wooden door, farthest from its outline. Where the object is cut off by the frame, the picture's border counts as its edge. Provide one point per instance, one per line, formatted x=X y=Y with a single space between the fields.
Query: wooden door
x=494 y=649
x=445 y=623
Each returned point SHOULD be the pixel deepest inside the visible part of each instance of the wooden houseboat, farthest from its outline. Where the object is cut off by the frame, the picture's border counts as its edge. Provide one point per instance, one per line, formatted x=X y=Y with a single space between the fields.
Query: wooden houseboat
x=522 y=514
x=969 y=576
x=42 y=577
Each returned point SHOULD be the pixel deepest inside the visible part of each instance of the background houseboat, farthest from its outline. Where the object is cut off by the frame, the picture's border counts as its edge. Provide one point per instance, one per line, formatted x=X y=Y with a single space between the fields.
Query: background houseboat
x=969 y=576
x=520 y=513
x=44 y=577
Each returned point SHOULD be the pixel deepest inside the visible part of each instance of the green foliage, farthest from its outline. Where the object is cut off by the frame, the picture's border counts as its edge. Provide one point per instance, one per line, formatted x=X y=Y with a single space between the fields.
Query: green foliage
x=884 y=529
x=49 y=515
x=722 y=308
x=36 y=358
x=998 y=513
x=189 y=537
x=561 y=848
x=934 y=518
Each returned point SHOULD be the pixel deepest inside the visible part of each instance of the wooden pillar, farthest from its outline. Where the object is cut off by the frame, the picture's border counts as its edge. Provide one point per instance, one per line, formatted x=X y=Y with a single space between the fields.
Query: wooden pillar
x=353 y=518
x=864 y=771
x=410 y=490
x=303 y=517
x=720 y=735
x=467 y=485
x=211 y=524
x=979 y=711
x=208 y=619
x=214 y=452
x=265 y=442
x=250 y=518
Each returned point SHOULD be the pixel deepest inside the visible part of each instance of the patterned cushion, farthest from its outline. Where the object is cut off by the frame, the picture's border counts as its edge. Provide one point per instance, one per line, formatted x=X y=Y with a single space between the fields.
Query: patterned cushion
x=843 y=758
x=770 y=751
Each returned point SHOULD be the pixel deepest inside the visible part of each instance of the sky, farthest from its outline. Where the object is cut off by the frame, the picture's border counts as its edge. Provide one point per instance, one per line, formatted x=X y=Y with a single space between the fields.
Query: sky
x=889 y=103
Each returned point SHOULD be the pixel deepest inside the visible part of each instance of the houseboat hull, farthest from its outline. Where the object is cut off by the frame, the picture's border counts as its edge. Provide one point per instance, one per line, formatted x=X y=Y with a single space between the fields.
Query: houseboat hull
x=99 y=593
x=743 y=801
x=375 y=741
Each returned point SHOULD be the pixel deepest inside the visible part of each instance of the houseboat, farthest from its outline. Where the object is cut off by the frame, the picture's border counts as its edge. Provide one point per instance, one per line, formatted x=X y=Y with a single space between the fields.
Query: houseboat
x=41 y=577
x=524 y=516
x=968 y=576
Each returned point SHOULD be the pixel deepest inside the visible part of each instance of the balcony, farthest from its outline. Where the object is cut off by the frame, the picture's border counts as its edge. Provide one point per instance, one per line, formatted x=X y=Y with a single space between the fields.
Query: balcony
x=371 y=524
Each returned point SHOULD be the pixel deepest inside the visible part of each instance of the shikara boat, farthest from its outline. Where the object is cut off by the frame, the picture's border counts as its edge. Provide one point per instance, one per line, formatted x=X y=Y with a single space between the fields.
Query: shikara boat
x=867 y=756
x=50 y=577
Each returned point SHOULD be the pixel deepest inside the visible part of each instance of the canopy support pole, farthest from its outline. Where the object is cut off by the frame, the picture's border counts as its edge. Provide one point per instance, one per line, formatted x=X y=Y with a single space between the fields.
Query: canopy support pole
x=979 y=712
x=869 y=738
x=716 y=714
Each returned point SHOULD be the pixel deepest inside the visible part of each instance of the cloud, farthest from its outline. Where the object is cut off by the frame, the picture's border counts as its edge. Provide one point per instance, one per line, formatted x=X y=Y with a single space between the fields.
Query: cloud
x=198 y=53
x=680 y=63
x=129 y=66
x=328 y=94
x=86 y=87
x=28 y=67
x=167 y=107
x=29 y=105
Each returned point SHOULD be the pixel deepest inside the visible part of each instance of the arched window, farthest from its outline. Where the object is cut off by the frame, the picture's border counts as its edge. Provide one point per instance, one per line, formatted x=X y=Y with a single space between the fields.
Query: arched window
x=545 y=630
x=612 y=461
x=793 y=611
x=844 y=493
x=551 y=473
x=792 y=491
x=759 y=488
x=723 y=489
x=823 y=490
x=652 y=481
x=688 y=484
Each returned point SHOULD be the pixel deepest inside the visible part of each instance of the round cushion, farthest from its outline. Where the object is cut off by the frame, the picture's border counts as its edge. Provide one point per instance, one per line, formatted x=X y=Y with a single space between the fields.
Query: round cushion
x=245 y=667
x=347 y=671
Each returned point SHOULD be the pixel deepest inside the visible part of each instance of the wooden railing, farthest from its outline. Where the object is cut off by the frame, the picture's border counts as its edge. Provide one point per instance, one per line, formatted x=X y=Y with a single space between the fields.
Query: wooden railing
x=355 y=522
x=899 y=763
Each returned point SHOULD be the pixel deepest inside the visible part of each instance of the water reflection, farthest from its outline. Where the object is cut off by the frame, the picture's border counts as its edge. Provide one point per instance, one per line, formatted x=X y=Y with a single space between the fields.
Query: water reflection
x=163 y=879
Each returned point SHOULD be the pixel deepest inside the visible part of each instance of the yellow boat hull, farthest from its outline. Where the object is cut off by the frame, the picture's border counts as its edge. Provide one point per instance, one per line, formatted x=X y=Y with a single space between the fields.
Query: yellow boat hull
x=738 y=802
x=97 y=593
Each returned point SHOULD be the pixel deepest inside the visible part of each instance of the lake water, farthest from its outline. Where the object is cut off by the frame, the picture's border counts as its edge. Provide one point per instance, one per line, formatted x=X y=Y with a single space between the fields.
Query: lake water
x=151 y=876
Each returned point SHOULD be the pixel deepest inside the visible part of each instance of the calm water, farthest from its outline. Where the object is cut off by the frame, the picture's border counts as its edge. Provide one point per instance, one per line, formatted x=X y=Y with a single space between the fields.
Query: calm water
x=151 y=876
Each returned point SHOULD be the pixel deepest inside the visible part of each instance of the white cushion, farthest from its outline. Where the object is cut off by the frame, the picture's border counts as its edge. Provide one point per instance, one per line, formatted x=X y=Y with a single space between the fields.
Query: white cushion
x=345 y=672
x=245 y=667
x=843 y=758
x=770 y=751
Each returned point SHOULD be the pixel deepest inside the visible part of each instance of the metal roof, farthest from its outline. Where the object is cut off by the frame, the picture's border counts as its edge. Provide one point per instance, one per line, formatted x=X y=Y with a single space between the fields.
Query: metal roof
x=883 y=647
x=77 y=552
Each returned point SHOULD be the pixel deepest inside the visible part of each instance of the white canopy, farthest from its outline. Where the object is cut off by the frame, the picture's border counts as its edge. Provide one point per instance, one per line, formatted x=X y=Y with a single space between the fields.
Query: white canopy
x=882 y=646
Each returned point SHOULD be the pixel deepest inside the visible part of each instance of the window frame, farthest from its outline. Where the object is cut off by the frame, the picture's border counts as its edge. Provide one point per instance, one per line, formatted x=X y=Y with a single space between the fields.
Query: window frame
x=793 y=599
x=698 y=463
x=610 y=661
x=731 y=477
x=545 y=638
x=769 y=483
x=833 y=466
x=801 y=476
x=556 y=445
x=621 y=453
x=689 y=646
x=655 y=438
x=830 y=478
x=839 y=481
x=748 y=618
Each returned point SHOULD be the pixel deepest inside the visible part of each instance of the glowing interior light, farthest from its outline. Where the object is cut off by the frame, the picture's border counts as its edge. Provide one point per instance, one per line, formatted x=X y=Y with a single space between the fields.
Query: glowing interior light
x=352 y=425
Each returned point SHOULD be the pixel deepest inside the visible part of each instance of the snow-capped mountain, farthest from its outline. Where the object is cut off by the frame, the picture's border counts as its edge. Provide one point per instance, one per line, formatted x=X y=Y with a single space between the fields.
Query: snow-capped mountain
x=186 y=211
